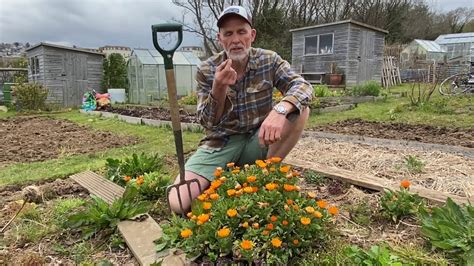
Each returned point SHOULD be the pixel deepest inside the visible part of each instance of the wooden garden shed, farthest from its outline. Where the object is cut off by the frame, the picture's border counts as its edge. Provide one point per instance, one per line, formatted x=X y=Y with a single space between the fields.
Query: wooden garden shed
x=66 y=72
x=354 y=47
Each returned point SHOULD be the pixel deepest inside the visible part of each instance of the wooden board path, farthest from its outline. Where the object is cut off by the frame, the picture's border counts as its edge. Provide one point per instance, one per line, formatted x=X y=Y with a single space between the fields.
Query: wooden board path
x=375 y=183
x=139 y=235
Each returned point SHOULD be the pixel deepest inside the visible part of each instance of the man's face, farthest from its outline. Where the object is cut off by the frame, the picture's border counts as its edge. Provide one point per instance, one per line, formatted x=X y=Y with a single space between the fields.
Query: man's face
x=236 y=37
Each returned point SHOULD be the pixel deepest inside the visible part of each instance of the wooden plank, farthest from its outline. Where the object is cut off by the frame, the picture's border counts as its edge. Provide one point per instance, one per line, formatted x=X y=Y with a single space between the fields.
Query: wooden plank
x=138 y=234
x=374 y=183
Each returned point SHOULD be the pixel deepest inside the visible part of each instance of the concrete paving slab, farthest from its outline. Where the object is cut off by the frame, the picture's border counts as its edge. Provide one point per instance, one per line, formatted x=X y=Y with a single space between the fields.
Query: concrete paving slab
x=130 y=119
x=108 y=115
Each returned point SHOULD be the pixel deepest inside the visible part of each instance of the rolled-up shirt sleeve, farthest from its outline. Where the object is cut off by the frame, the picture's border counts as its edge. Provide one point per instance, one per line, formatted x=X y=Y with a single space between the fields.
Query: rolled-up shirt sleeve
x=295 y=88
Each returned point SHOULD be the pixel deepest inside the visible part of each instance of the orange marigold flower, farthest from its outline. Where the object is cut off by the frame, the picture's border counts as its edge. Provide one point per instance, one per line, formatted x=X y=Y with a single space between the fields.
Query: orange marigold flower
x=311 y=195
x=231 y=192
x=238 y=186
x=275 y=159
x=209 y=191
x=217 y=173
x=239 y=192
x=140 y=180
x=223 y=179
x=248 y=189
x=271 y=186
x=309 y=209
x=245 y=224
x=296 y=207
x=284 y=222
x=127 y=178
x=289 y=201
x=296 y=242
x=232 y=212
x=189 y=214
x=214 y=196
x=317 y=214
x=251 y=179
x=245 y=184
x=273 y=218
x=203 y=218
x=288 y=187
x=333 y=210
x=224 y=232
x=216 y=184
x=305 y=220
x=186 y=233
x=276 y=242
x=268 y=161
x=284 y=168
x=255 y=189
x=246 y=244
x=265 y=232
x=272 y=169
x=235 y=171
x=405 y=183
x=206 y=205
x=260 y=163
x=322 y=204
x=269 y=226
x=230 y=165
x=194 y=217
x=255 y=225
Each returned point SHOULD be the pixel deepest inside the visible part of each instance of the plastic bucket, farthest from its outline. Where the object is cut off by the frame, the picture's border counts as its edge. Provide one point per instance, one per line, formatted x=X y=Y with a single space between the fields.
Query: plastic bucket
x=117 y=95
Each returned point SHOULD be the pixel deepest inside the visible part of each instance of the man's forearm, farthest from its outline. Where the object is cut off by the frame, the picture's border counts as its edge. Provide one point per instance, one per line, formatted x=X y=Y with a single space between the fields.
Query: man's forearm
x=219 y=94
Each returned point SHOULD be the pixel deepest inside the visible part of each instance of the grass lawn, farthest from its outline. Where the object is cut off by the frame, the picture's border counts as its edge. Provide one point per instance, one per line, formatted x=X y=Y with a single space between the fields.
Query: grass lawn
x=440 y=111
x=152 y=140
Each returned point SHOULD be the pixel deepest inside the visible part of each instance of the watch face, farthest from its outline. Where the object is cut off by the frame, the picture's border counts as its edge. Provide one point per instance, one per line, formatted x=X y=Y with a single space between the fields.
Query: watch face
x=280 y=109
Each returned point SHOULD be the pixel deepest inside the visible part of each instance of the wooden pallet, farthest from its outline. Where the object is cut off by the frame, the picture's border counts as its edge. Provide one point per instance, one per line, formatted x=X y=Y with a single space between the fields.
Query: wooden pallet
x=375 y=183
x=139 y=235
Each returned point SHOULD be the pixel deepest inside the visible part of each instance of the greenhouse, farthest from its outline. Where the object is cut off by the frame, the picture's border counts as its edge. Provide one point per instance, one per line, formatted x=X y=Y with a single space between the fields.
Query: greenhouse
x=146 y=75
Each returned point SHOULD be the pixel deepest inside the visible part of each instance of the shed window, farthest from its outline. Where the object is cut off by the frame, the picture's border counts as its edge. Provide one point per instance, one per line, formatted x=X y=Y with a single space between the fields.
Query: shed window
x=319 y=44
x=34 y=65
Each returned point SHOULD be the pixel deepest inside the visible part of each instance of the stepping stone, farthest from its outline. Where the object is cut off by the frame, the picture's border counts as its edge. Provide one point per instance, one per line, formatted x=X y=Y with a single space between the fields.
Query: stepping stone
x=139 y=235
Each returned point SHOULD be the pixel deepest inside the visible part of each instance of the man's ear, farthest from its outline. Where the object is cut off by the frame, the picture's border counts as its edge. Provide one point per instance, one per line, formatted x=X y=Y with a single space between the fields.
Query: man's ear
x=219 y=39
x=254 y=34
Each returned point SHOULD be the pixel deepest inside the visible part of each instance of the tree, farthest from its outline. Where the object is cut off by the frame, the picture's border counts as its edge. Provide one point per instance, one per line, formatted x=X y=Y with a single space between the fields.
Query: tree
x=115 y=72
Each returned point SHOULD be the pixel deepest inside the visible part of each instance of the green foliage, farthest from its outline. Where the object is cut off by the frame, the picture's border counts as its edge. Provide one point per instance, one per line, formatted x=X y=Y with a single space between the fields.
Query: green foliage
x=360 y=213
x=377 y=255
x=98 y=215
x=321 y=91
x=398 y=204
x=450 y=228
x=190 y=99
x=137 y=165
x=420 y=94
x=254 y=213
x=370 y=88
x=312 y=177
x=154 y=185
x=413 y=164
x=115 y=72
x=31 y=96
x=437 y=106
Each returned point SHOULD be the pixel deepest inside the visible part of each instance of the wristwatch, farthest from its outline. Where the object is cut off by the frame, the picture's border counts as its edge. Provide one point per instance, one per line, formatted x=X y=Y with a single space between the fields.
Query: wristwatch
x=281 y=109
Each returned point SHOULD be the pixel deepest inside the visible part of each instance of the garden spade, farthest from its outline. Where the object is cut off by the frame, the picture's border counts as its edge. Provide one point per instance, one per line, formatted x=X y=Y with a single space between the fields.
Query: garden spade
x=174 y=109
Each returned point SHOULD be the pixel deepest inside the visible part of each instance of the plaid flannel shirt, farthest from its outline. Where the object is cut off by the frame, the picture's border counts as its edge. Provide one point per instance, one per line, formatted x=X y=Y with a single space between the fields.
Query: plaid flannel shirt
x=249 y=101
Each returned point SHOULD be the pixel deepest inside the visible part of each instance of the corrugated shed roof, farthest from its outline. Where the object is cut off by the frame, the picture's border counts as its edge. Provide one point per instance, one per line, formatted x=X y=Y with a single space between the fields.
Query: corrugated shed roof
x=153 y=57
x=429 y=46
x=467 y=37
x=83 y=50
x=341 y=22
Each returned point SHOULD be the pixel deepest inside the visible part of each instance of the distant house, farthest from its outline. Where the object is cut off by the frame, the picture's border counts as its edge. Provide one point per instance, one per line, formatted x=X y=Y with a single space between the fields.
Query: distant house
x=110 y=49
x=147 y=79
x=459 y=47
x=356 y=48
x=421 y=50
x=197 y=50
x=66 y=72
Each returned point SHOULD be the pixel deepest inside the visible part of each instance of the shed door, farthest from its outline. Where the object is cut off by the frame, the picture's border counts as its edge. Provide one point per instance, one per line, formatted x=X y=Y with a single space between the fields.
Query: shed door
x=77 y=80
x=366 y=57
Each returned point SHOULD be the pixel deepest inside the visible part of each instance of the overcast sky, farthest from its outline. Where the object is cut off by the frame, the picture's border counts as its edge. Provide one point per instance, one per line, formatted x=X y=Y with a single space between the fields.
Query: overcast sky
x=94 y=23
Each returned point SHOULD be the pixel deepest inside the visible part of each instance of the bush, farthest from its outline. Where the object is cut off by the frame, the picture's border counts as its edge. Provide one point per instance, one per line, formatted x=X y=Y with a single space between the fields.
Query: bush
x=151 y=186
x=370 y=88
x=252 y=214
x=190 y=99
x=122 y=171
x=321 y=91
x=31 y=96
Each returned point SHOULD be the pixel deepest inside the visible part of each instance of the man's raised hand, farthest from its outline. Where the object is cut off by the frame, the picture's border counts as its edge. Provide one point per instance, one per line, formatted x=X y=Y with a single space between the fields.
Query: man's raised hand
x=225 y=75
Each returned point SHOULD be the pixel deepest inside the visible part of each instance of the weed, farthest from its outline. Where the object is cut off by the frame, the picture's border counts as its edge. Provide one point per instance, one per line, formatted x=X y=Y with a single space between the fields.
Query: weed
x=376 y=255
x=321 y=91
x=370 y=88
x=361 y=213
x=332 y=253
x=413 y=164
x=62 y=208
x=312 y=177
x=397 y=204
x=418 y=255
x=119 y=171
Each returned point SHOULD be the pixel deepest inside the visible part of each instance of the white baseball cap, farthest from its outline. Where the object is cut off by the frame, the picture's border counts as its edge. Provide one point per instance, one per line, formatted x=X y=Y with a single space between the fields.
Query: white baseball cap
x=233 y=11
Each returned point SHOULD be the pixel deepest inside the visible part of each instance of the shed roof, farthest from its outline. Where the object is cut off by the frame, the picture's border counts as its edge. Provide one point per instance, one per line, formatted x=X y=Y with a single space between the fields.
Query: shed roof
x=153 y=57
x=63 y=47
x=429 y=46
x=342 y=22
x=467 y=37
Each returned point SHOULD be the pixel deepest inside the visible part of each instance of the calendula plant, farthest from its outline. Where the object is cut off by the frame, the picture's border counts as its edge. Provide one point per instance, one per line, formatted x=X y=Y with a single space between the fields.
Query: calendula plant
x=151 y=186
x=98 y=215
x=254 y=213
x=451 y=228
x=397 y=204
x=132 y=167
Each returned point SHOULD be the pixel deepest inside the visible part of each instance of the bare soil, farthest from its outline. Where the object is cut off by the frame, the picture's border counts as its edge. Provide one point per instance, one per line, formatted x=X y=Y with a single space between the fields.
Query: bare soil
x=152 y=113
x=32 y=139
x=400 y=131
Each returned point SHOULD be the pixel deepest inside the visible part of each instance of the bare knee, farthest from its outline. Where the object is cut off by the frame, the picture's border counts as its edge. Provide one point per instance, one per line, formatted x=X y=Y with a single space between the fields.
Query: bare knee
x=181 y=196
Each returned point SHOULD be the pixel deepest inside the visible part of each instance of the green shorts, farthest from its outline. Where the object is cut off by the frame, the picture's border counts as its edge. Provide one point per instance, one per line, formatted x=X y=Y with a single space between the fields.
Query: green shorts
x=241 y=149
